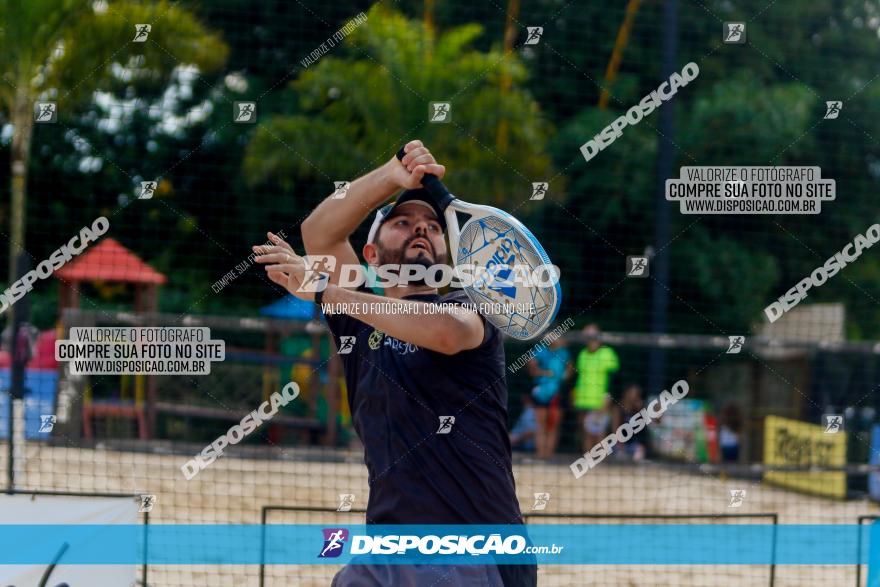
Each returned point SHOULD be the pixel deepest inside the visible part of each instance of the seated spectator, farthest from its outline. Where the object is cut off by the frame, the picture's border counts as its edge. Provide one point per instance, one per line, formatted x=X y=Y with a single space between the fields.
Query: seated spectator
x=728 y=435
x=635 y=448
x=522 y=437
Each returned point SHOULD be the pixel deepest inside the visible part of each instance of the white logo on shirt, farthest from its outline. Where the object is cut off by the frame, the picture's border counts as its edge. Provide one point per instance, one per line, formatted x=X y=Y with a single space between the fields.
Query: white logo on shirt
x=402 y=348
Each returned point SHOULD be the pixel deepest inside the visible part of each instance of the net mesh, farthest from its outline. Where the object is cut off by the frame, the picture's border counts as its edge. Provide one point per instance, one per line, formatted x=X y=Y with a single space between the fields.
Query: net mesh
x=152 y=136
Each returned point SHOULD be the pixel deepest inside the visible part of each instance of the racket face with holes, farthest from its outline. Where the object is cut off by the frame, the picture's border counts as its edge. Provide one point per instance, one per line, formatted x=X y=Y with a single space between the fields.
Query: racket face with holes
x=495 y=243
x=511 y=255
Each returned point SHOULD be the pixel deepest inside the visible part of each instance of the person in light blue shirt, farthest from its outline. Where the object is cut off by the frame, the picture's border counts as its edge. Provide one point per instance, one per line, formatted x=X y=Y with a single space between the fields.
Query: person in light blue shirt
x=550 y=367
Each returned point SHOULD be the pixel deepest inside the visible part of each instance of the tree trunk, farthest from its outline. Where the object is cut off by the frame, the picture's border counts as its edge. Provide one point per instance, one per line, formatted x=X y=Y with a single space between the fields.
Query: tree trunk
x=509 y=37
x=429 y=15
x=617 y=54
x=23 y=121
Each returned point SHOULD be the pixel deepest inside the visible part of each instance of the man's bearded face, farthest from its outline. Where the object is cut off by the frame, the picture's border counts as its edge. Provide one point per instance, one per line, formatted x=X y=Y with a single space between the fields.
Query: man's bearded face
x=412 y=236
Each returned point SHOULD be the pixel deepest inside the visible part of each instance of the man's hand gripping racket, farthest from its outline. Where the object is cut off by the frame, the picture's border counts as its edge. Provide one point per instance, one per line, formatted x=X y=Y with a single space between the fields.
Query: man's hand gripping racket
x=521 y=295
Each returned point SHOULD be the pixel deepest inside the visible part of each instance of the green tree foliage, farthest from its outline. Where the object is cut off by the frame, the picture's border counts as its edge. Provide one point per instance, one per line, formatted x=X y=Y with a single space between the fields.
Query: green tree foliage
x=226 y=184
x=757 y=104
x=357 y=106
x=65 y=50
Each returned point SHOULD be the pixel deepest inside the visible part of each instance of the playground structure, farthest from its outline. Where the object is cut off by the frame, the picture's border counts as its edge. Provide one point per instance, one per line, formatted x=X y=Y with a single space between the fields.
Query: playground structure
x=247 y=377
x=110 y=262
x=288 y=344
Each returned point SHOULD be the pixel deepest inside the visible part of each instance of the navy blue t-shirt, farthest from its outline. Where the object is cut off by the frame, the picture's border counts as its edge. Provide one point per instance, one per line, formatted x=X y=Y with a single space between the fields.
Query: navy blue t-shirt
x=400 y=395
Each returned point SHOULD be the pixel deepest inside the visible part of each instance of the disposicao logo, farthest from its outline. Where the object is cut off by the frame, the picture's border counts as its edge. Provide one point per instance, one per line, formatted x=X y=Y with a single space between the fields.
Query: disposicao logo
x=334 y=540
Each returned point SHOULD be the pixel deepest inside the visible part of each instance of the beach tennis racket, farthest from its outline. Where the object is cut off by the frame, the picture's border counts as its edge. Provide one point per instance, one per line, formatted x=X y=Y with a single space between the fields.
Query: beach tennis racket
x=496 y=241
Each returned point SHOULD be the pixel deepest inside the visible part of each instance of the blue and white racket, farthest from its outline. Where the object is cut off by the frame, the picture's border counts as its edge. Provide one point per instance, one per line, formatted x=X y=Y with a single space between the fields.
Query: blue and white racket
x=498 y=242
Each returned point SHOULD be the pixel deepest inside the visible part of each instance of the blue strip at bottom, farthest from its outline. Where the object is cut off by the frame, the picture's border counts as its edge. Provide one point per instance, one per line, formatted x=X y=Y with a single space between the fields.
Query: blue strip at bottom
x=568 y=544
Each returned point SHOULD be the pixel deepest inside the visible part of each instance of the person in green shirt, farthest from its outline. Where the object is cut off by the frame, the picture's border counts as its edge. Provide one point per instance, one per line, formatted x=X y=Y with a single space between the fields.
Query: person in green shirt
x=595 y=364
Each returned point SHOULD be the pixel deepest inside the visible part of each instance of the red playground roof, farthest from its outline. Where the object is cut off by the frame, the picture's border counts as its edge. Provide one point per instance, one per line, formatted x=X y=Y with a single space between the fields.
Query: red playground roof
x=110 y=261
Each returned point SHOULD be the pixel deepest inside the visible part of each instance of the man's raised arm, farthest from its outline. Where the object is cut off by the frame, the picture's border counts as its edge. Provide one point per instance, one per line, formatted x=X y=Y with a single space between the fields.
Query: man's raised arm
x=327 y=228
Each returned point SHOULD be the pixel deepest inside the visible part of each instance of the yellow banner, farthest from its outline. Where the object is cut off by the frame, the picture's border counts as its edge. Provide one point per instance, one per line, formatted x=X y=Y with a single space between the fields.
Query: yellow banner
x=793 y=443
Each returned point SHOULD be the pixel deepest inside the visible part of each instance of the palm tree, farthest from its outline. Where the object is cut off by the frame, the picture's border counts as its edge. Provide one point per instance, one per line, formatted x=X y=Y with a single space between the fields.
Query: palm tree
x=357 y=105
x=63 y=50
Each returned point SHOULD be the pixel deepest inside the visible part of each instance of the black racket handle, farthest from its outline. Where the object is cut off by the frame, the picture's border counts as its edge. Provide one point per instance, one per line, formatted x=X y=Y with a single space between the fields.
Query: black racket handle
x=435 y=187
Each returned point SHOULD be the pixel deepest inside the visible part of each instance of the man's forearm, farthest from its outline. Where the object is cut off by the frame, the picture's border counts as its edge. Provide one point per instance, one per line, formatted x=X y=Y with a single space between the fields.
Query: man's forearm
x=448 y=331
x=334 y=220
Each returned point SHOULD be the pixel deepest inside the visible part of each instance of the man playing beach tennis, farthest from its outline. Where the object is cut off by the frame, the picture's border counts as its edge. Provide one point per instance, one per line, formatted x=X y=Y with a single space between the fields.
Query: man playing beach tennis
x=426 y=385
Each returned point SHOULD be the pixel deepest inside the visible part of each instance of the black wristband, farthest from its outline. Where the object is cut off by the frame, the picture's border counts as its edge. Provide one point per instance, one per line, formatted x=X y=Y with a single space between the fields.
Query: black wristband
x=319 y=295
